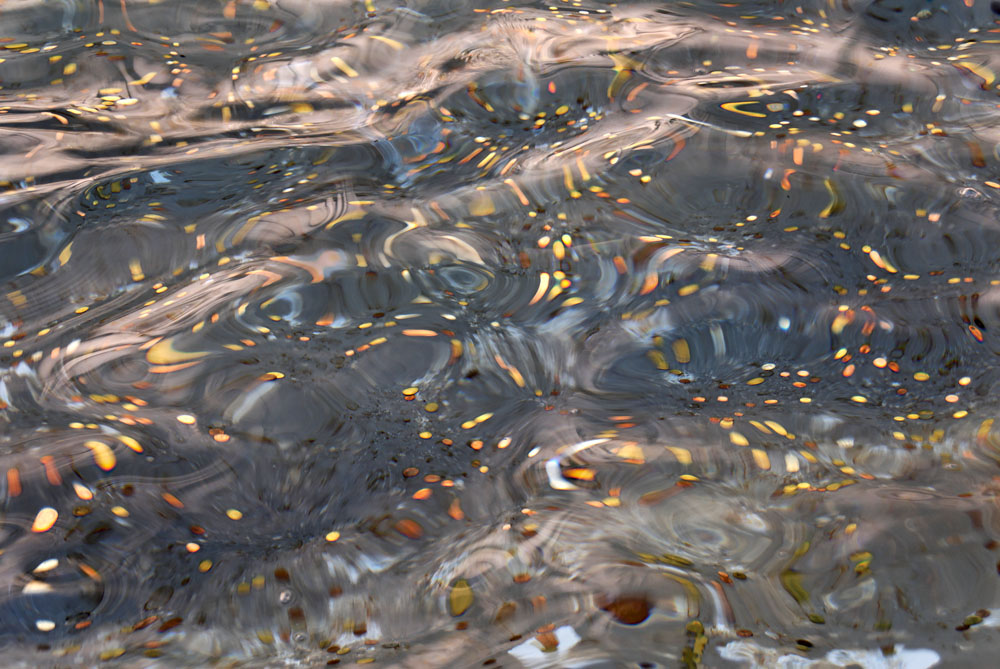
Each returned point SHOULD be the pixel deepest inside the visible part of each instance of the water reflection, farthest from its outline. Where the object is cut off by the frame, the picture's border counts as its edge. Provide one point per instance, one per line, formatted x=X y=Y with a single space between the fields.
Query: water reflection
x=512 y=334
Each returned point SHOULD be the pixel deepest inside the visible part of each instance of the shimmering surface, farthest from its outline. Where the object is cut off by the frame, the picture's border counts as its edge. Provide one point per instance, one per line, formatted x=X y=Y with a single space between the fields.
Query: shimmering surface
x=499 y=333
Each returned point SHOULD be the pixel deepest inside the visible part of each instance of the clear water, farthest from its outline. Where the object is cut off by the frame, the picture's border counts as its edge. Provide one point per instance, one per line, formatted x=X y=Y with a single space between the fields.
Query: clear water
x=555 y=334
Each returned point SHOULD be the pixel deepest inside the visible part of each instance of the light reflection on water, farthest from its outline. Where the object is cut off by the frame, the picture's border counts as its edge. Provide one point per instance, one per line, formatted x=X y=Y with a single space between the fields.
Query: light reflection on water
x=435 y=334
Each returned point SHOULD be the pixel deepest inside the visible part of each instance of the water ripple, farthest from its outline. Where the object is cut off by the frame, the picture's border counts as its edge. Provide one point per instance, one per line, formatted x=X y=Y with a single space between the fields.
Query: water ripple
x=516 y=334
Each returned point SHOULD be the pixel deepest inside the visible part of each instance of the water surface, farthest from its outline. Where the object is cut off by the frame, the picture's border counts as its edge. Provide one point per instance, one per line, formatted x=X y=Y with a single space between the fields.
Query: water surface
x=494 y=333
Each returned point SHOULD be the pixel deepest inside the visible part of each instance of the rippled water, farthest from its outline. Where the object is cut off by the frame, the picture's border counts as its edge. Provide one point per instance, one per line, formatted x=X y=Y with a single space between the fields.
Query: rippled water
x=499 y=333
